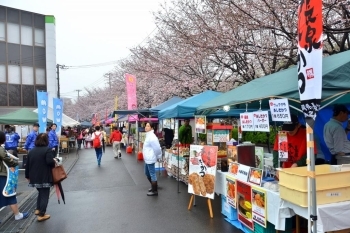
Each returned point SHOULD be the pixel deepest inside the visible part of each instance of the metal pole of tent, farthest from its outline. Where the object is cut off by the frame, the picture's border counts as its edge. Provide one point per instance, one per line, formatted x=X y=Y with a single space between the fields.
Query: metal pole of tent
x=178 y=161
x=312 y=207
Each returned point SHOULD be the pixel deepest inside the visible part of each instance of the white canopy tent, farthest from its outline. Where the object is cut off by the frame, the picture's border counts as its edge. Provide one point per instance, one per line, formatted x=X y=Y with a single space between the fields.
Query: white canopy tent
x=66 y=120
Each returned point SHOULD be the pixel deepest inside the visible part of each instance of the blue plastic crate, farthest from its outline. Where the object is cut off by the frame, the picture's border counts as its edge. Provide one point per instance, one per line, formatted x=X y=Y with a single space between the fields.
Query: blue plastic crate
x=227 y=210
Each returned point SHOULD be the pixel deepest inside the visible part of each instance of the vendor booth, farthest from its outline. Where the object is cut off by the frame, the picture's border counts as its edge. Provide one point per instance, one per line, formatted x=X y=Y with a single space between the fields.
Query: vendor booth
x=253 y=200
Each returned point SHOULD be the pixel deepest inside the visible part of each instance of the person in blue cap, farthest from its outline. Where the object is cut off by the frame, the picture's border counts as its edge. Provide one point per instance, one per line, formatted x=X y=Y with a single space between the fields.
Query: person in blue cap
x=53 y=139
x=12 y=139
x=31 y=138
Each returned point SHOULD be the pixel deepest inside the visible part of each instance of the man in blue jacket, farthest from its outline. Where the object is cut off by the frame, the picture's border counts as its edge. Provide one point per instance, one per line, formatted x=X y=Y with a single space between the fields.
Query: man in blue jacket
x=12 y=139
x=31 y=138
x=53 y=139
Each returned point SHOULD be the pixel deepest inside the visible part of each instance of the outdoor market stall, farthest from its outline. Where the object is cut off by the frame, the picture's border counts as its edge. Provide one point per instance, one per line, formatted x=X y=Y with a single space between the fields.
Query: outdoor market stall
x=258 y=93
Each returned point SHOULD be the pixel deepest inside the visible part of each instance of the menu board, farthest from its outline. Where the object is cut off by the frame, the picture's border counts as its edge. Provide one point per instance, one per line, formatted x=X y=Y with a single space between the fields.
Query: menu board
x=261 y=121
x=200 y=124
x=220 y=135
x=231 y=191
x=259 y=206
x=279 y=110
x=247 y=121
x=244 y=204
x=202 y=170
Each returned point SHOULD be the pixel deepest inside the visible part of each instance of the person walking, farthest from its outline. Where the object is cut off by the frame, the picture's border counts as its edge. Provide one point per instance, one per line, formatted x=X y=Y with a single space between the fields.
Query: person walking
x=97 y=144
x=30 y=141
x=12 y=139
x=53 y=139
x=80 y=138
x=8 y=201
x=151 y=154
x=115 y=140
x=38 y=172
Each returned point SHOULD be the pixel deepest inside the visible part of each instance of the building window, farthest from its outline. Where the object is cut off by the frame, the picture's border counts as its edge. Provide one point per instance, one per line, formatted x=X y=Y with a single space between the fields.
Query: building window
x=14 y=95
x=3 y=94
x=13 y=54
x=2 y=13
x=26 y=18
x=40 y=76
x=12 y=15
x=26 y=55
x=39 y=57
x=13 y=33
x=14 y=75
x=27 y=75
x=26 y=35
x=3 y=58
x=28 y=95
x=39 y=21
x=2 y=73
x=39 y=37
x=2 y=31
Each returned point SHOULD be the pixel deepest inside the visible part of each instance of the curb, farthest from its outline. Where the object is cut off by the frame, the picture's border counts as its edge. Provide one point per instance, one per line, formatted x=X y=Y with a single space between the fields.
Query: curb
x=31 y=194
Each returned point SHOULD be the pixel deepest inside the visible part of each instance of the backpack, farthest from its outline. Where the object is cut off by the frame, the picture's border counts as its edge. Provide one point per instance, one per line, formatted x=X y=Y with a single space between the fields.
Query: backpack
x=97 y=142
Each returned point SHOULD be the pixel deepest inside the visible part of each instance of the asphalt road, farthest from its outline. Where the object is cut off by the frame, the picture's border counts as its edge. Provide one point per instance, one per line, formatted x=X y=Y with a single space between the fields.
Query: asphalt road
x=112 y=198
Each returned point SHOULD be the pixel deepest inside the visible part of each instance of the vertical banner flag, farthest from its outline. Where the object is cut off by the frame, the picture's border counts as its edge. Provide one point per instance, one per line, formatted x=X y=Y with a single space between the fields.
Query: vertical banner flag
x=57 y=114
x=131 y=93
x=310 y=56
x=310 y=25
x=42 y=99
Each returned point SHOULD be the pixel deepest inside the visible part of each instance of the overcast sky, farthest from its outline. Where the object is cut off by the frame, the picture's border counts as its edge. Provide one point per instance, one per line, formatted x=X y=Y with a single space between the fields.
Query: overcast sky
x=92 y=32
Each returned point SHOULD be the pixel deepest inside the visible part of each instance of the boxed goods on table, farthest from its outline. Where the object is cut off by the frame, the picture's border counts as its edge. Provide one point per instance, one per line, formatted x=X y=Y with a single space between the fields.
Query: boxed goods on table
x=332 y=186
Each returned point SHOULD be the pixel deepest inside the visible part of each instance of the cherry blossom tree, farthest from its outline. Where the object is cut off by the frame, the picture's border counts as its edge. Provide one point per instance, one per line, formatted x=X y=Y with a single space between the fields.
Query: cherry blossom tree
x=214 y=45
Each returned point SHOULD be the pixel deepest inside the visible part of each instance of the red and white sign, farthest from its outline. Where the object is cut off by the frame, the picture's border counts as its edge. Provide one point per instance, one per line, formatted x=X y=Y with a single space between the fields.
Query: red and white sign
x=130 y=81
x=247 y=121
x=279 y=109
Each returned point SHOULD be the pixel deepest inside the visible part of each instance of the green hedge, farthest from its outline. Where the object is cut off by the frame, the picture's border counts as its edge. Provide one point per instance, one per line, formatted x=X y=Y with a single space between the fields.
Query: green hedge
x=256 y=137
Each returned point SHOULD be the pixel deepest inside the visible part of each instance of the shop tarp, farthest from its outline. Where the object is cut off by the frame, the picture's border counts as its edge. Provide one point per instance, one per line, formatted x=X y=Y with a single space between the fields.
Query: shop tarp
x=186 y=108
x=66 y=120
x=85 y=124
x=283 y=84
x=166 y=104
x=22 y=116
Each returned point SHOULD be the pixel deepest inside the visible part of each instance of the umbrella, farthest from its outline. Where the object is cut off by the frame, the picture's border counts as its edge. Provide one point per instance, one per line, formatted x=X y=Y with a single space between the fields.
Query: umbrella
x=59 y=192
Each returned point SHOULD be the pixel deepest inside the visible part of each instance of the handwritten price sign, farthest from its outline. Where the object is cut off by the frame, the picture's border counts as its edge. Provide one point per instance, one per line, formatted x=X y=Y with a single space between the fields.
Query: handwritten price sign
x=247 y=121
x=279 y=110
x=261 y=121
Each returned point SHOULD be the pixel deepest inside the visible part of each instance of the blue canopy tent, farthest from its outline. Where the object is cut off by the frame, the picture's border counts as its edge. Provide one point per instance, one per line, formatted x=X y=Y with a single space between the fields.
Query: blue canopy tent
x=187 y=108
x=166 y=104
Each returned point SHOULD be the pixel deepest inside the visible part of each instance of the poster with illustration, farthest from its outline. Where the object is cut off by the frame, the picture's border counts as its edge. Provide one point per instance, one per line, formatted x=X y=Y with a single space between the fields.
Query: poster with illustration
x=231 y=153
x=259 y=206
x=166 y=123
x=259 y=155
x=231 y=191
x=255 y=176
x=200 y=124
x=244 y=204
x=202 y=170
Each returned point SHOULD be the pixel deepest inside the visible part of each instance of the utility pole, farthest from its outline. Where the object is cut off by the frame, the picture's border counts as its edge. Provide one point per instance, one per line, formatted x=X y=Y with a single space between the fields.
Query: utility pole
x=58 y=66
x=78 y=93
x=108 y=77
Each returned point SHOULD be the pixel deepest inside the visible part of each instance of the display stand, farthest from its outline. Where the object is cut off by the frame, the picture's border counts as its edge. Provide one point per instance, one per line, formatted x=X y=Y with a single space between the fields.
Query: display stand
x=209 y=205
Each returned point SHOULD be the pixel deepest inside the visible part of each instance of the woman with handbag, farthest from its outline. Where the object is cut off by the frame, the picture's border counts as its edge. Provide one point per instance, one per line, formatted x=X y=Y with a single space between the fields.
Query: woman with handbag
x=8 y=201
x=40 y=162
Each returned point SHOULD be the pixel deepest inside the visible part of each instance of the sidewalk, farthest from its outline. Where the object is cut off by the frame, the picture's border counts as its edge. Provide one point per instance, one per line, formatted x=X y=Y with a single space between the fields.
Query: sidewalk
x=112 y=198
x=26 y=198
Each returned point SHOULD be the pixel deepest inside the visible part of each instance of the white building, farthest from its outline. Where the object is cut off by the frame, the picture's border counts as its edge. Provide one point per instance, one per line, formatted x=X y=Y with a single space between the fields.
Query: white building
x=27 y=58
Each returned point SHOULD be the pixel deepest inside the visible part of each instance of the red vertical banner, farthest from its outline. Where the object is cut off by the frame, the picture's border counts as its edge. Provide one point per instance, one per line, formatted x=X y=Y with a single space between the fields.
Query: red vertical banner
x=130 y=81
x=310 y=29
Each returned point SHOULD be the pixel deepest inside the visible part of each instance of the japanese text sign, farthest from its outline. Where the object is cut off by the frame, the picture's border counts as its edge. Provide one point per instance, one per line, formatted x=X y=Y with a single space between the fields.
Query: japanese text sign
x=261 y=121
x=279 y=110
x=282 y=146
x=247 y=121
